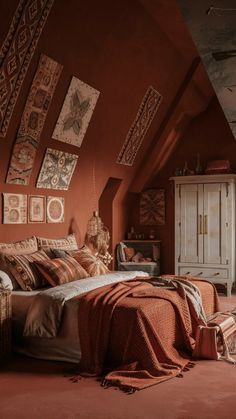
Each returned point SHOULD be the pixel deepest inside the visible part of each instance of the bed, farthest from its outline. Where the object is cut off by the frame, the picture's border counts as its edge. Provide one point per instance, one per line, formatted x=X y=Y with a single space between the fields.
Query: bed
x=119 y=325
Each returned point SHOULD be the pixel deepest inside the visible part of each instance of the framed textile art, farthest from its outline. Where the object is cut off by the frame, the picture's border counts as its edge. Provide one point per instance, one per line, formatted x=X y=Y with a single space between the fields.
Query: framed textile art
x=55 y=209
x=76 y=113
x=152 y=207
x=146 y=112
x=57 y=170
x=15 y=208
x=32 y=120
x=36 y=209
x=16 y=53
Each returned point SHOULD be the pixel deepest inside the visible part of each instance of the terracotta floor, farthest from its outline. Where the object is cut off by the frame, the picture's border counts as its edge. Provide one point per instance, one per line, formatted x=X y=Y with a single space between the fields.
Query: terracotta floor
x=31 y=389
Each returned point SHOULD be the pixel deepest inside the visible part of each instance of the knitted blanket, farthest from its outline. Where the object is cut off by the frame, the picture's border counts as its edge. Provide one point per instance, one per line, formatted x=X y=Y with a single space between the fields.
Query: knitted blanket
x=139 y=335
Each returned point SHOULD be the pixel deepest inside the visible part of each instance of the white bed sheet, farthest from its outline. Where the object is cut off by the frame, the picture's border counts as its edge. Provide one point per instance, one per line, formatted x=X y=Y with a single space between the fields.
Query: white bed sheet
x=65 y=346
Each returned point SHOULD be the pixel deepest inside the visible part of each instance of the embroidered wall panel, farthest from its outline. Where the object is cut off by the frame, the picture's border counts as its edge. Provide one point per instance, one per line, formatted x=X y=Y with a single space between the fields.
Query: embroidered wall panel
x=14 y=208
x=136 y=134
x=36 y=209
x=55 y=209
x=57 y=169
x=76 y=113
x=17 y=51
x=152 y=207
x=32 y=121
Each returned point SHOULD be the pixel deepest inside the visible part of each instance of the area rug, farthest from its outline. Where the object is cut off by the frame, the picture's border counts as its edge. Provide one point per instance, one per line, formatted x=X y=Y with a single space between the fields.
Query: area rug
x=17 y=51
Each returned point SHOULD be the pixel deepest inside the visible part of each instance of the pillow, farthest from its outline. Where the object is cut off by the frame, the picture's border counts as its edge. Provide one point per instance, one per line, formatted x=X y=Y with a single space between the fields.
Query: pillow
x=58 y=253
x=5 y=281
x=60 y=271
x=24 y=272
x=22 y=247
x=122 y=255
x=92 y=264
x=129 y=253
x=66 y=243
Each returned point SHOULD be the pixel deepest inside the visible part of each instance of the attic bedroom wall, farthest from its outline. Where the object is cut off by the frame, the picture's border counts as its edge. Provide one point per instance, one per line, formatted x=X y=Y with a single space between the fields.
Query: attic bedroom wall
x=209 y=135
x=119 y=49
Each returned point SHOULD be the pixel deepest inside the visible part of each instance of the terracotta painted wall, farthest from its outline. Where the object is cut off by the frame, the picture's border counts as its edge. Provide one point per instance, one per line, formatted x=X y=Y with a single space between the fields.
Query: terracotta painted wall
x=209 y=135
x=120 y=49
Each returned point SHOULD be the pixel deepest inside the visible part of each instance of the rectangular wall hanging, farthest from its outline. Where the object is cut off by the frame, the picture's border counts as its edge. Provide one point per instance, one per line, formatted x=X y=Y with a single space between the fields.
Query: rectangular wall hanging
x=36 y=209
x=32 y=121
x=15 y=208
x=76 y=113
x=55 y=209
x=136 y=134
x=17 y=51
x=152 y=207
x=57 y=169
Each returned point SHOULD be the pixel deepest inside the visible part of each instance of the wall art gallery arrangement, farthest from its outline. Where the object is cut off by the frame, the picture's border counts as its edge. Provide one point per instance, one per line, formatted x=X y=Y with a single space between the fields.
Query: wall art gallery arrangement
x=21 y=208
x=17 y=51
x=146 y=112
x=32 y=120
x=57 y=169
x=76 y=113
x=152 y=207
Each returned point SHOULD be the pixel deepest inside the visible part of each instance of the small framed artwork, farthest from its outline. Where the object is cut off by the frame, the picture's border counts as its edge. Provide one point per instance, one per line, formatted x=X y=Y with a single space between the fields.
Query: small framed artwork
x=55 y=209
x=152 y=207
x=36 y=209
x=15 y=208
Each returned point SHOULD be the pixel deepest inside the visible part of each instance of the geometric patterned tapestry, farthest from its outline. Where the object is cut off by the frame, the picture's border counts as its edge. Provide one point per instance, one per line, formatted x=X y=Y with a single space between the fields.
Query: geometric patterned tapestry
x=56 y=170
x=76 y=113
x=17 y=51
x=136 y=134
x=32 y=120
x=152 y=207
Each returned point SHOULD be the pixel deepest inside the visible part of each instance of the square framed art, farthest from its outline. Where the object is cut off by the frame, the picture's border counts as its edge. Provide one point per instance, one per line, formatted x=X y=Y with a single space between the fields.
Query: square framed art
x=36 y=209
x=152 y=207
x=14 y=208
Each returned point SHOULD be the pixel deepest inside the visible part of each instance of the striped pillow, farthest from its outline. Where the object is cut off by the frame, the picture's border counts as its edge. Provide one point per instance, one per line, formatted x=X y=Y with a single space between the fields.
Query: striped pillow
x=23 y=270
x=60 y=271
x=92 y=264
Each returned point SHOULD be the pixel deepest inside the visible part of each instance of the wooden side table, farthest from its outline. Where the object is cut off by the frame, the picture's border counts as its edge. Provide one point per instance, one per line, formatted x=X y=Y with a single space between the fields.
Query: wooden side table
x=5 y=323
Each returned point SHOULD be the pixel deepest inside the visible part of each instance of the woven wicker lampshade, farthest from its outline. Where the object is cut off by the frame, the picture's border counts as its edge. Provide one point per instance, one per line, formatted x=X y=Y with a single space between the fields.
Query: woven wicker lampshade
x=94 y=225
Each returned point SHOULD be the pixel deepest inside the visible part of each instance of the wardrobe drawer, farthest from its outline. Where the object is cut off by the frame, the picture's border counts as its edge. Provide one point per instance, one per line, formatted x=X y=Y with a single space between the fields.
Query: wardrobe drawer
x=203 y=272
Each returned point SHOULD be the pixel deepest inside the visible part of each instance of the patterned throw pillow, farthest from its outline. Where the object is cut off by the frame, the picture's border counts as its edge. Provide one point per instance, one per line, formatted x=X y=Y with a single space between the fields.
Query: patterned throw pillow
x=22 y=247
x=129 y=253
x=23 y=270
x=60 y=271
x=66 y=243
x=92 y=264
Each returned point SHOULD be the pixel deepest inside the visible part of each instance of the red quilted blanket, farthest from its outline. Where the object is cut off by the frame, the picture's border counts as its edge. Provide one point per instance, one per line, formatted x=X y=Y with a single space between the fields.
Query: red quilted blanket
x=136 y=335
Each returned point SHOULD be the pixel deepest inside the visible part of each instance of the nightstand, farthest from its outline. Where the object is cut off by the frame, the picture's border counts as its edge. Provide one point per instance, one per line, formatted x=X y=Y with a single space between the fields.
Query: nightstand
x=148 y=248
x=5 y=323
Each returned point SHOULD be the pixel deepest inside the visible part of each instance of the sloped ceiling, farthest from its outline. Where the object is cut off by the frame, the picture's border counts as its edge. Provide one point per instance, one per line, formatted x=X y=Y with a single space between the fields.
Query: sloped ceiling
x=213 y=29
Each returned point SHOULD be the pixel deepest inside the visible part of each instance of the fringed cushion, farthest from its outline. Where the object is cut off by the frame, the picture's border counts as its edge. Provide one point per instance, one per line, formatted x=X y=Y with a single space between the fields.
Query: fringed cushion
x=24 y=271
x=60 y=271
x=92 y=264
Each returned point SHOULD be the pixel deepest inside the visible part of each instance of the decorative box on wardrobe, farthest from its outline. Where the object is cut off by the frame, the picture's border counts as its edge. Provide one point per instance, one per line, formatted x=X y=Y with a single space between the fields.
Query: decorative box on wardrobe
x=205 y=227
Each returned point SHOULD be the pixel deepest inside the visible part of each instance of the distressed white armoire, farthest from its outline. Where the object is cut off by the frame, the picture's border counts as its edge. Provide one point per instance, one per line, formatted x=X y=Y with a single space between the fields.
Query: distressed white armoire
x=205 y=227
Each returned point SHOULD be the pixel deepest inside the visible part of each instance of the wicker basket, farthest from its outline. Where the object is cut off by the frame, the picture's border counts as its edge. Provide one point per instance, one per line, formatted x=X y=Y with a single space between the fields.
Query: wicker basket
x=5 y=323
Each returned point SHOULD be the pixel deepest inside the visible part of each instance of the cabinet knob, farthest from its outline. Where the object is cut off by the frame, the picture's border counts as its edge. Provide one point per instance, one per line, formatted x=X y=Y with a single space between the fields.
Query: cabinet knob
x=216 y=273
x=200 y=273
x=187 y=273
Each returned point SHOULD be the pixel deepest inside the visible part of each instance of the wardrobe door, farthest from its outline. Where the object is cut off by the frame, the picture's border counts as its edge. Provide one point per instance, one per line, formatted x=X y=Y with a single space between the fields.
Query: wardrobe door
x=191 y=223
x=215 y=223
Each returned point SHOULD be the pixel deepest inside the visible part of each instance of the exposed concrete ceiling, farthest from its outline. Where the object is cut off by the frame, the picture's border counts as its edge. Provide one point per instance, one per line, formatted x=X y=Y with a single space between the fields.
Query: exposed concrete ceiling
x=213 y=29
